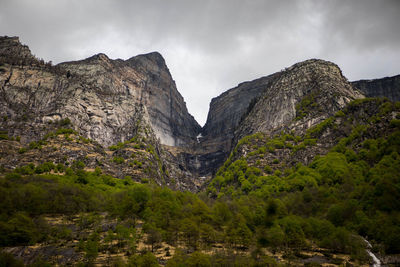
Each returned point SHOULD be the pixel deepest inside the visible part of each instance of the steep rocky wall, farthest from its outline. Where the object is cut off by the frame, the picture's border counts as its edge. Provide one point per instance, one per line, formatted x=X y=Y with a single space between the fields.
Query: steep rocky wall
x=225 y=114
x=304 y=94
x=169 y=116
x=386 y=87
x=105 y=99
x=296 y=98
x=230 y=108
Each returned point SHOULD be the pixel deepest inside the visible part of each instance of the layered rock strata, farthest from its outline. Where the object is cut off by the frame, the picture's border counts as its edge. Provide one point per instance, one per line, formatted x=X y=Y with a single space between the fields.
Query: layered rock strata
x=108 y=101
x=105 y=99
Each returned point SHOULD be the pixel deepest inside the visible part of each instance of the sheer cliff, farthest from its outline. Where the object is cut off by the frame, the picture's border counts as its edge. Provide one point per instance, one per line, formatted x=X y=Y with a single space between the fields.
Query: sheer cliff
x=108 y=101
x=386 y=87
x=105 y=99
x=295 y=98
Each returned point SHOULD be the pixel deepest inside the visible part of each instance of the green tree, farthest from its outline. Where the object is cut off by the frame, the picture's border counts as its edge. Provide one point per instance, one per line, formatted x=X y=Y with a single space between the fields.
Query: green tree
x=154 y=237
x=145 y=260
x=198 y=259
x=190 y=231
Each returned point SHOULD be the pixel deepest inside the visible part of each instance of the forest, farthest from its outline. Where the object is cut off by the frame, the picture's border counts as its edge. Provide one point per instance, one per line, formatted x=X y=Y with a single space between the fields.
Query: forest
x=251 y=211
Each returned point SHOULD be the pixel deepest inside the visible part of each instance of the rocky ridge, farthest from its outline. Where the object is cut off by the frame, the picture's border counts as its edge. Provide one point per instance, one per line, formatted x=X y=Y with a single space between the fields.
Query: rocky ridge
x=305 y=94
x=296 y=98
x=105 y=99
x=109 y=101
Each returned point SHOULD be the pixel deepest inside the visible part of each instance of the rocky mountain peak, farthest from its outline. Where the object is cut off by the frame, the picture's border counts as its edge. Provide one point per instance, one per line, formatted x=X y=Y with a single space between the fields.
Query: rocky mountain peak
x=12 y=51
x=153 y=57
x=152 y=63
x=104 y=98
x=99 y=57
x=111 y=100
x=295 y=98
x=302 y=95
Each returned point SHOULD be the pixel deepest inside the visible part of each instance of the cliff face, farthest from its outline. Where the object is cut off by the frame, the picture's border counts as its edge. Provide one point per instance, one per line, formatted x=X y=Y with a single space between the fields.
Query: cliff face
x=296 y=98
x=386 y=87
x=105 y=99
x=225 y=114
x=169 y=116
x=108 y=101
x=229 y=109
x=301 y=97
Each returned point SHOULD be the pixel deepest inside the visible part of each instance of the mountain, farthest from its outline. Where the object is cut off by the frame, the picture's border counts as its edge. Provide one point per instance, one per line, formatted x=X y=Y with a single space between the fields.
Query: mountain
x=101 y=164
x=107 y=101
x=294 y=99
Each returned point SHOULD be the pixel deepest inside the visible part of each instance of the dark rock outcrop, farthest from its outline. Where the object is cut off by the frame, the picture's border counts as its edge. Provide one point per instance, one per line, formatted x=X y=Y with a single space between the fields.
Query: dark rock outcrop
x=386 y=87
x=12 y=51
x=226 y=113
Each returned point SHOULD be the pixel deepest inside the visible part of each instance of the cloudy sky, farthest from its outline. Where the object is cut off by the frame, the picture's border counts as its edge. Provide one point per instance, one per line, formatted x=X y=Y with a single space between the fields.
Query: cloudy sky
x=212 y=45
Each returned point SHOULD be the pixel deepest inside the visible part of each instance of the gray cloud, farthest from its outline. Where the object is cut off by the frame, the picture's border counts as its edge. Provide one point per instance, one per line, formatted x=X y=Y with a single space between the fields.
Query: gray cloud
x=211 y=46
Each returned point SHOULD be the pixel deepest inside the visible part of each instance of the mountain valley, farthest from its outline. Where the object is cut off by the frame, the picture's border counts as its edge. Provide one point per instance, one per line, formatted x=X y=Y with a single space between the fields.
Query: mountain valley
x=102 y=164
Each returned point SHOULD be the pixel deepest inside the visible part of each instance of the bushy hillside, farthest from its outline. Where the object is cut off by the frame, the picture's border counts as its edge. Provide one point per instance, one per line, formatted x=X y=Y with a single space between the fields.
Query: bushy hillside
x=267 y=206
x=342 y=177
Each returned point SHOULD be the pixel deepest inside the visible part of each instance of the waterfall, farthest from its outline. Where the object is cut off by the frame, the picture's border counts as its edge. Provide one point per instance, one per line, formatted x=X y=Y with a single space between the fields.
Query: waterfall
x=376 y=261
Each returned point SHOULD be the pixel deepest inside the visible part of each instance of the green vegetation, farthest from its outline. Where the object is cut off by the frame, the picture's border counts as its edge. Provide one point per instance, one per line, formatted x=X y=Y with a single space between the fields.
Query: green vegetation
x=4 y=135
x=137 y=142
x=168 y=216
x=316 y=131
x=64 y=122
x=306 y=104
x=352 y=189
x=118 y=160
x=255 y=202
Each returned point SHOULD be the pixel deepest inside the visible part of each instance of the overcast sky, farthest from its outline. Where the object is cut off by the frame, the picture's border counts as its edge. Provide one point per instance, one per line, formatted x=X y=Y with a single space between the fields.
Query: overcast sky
x=212 y=45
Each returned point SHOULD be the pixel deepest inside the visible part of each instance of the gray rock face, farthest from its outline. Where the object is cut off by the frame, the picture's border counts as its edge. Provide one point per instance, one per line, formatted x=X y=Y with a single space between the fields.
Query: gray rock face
x=169 y=116
x=12 y=50
x=226 y=113
x=386 y=87
x=109 y=101
x=295 y=99
x=106 y=100
x=303 y=95
x=229 y=109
